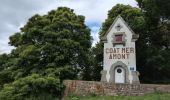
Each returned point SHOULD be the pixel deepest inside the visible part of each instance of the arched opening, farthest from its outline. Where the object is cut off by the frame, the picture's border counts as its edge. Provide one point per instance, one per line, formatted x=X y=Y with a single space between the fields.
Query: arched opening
x=119 y=73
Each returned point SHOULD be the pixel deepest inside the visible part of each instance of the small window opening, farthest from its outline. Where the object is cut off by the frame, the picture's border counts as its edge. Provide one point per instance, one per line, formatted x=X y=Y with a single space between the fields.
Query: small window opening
x=119 y=38
x=119 y=70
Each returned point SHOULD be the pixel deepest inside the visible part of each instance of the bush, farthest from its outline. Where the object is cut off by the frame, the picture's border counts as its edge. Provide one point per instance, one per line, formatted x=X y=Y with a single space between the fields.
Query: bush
x=32 y=87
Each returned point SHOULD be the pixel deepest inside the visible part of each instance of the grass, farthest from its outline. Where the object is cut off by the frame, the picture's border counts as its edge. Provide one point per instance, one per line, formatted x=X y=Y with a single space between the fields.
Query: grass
x=155 y=96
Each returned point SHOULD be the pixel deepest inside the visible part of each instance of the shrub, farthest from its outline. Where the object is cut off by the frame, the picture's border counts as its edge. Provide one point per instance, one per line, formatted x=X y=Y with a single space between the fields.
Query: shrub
x=34 y=86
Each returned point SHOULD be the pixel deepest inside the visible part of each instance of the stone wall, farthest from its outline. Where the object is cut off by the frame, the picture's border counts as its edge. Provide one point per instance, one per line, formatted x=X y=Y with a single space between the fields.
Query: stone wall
x=85 y=88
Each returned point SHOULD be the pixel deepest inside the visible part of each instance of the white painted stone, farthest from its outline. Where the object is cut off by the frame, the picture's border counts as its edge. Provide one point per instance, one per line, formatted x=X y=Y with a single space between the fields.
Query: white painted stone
x=128 y=58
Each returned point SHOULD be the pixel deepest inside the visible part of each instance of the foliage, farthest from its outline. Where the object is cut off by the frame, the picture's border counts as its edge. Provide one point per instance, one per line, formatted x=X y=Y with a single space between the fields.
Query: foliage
x=34 y=85
x=157 y=59
x=58 y=39
x=48 y=49
x=97 y=64
x=155 y=8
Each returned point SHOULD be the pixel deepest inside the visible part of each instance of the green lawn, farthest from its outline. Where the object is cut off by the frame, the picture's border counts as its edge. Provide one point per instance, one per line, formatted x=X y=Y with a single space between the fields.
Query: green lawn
x=155 y=96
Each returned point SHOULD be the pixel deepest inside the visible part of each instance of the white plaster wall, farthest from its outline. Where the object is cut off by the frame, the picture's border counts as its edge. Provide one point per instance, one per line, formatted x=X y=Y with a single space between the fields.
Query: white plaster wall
x=131 y=62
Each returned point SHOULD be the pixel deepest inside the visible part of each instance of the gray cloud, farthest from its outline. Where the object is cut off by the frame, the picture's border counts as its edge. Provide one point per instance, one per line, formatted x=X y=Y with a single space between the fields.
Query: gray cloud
x=15 y=13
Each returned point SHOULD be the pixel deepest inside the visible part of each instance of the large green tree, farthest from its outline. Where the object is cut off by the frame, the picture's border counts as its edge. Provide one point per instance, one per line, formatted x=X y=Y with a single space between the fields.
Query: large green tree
x=52 y=46
x=59 y=39
x=157 y=15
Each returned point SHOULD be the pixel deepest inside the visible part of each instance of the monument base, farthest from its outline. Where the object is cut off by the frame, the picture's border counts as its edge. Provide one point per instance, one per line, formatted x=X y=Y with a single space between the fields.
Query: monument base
x=134 y=80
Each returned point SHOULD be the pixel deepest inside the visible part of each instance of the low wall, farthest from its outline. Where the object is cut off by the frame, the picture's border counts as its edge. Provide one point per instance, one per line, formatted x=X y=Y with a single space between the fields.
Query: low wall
x=85 y=88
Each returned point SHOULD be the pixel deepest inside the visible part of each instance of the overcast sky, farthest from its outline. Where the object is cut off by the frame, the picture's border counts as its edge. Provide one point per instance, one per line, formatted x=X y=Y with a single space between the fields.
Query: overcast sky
x=15 y=13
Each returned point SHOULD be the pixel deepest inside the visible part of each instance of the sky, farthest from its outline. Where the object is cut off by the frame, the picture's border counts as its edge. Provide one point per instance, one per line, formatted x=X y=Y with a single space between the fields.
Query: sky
x=15 y=13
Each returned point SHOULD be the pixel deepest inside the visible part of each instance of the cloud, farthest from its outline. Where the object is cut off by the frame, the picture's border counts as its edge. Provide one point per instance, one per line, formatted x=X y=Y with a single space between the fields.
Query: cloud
x=94 y=34
x=15 y=13
x=94 y=10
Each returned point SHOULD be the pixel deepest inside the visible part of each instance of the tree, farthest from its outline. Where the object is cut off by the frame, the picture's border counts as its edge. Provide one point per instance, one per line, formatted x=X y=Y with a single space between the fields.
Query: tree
x=155 y=8
x=157 y=15
x=55 y=40
x=97 y=64
x=55 y=46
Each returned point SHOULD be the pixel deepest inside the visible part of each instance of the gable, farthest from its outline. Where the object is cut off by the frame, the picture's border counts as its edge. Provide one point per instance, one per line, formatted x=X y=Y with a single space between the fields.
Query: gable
x=119 y=18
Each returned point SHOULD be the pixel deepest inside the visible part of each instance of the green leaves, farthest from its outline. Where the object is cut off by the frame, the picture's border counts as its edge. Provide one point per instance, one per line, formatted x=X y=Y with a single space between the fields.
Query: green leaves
x=15 y=40
x=49 y=49
x=31 y=85
x=155 y=41
x=28 y=50
x=53 y=38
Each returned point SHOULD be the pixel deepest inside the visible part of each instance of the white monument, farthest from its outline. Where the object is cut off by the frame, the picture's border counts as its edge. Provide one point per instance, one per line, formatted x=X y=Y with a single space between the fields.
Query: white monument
x=120 y=54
